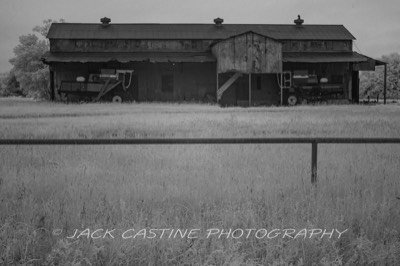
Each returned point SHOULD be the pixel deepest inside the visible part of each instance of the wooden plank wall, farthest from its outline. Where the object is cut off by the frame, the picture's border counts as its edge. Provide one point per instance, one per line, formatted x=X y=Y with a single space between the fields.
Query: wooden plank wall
x=248 y=53
x=317 y=46
x=130 y=45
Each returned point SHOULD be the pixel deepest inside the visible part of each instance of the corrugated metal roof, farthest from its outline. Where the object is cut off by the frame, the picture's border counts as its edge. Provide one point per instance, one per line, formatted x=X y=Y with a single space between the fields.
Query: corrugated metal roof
x=323 y=57
x=376 y=61
x=127 y=57
x=195 y=31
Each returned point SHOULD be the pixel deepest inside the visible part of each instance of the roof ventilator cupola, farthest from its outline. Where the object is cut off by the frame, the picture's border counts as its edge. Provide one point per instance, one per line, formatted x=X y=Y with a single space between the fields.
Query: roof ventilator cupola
x=299 y=21
x=218 y=22
x=105 y=21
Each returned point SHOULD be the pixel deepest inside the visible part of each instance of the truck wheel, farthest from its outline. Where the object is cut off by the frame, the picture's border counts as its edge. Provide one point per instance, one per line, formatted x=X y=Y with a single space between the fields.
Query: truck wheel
x=117 y=99
x=292 y=100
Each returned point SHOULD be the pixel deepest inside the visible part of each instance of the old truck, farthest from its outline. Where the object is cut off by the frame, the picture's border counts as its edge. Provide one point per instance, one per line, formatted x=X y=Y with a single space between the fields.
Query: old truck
x=113 y=85
x=301 y=87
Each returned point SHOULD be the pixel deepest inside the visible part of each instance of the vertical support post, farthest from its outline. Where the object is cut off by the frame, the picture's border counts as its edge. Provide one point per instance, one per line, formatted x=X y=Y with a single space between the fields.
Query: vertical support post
x=217 y=70
x=216 y=92
x=52 y=94
x=249 y=89
x=384 y=85
x=314 y=158
x=350 y=83
x=281 y=87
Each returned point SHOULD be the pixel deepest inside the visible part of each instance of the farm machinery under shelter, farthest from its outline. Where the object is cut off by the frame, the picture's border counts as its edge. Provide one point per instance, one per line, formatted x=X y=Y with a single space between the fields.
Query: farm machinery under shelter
x=110 y=85
x=301 y=87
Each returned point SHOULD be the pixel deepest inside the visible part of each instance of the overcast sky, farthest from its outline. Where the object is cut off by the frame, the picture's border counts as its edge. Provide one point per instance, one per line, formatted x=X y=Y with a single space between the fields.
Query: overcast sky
x=374 y=23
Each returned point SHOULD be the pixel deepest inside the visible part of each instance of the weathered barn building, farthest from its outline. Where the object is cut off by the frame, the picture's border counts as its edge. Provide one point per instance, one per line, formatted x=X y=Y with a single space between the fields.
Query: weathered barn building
x=236 y=64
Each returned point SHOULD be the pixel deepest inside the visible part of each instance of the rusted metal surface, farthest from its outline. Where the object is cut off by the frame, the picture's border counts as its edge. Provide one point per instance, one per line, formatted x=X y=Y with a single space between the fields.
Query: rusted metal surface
x=195 y=31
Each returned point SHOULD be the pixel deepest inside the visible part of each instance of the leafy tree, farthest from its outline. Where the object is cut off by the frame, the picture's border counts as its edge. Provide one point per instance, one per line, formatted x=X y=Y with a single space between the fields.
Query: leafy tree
x=393 y=74
x=372 y=82
x=30 y=72
x=9 y=85
x=44 y=29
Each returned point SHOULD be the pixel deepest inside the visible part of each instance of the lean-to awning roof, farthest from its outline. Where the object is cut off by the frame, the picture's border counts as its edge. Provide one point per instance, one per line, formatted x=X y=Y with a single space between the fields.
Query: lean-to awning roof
x=127 y=57
x=324 y=57
x=361 y=62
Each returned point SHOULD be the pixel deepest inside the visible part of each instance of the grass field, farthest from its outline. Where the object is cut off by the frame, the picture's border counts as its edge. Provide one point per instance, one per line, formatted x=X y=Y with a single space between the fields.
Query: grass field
x=47 y=192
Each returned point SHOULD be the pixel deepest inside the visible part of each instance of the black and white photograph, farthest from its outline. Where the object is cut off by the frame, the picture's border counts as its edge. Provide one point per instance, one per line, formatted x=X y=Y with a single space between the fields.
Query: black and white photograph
x=212 y=132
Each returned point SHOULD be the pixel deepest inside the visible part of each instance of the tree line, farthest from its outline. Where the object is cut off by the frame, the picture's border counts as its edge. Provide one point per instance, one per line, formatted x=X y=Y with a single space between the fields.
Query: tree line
x=372 y=82
x=29 y=77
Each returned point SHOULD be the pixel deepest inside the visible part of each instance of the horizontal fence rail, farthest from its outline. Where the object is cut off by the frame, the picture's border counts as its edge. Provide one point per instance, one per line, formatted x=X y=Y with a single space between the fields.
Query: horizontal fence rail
x=172 y=141
x=193 y=141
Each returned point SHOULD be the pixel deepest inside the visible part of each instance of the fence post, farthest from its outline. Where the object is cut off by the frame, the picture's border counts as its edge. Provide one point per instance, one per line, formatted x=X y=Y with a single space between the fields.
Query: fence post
x=314 y=158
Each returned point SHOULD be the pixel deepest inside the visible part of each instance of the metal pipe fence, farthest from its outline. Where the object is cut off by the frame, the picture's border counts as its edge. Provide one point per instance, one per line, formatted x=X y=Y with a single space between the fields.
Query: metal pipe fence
x=194 y=141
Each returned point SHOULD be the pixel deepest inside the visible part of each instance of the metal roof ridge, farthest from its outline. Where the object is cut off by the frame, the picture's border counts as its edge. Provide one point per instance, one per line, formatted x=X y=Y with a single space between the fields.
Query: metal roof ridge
x=209 y=24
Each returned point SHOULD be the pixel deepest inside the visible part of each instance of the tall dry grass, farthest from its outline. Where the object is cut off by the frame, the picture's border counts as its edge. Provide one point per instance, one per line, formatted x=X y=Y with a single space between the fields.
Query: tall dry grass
x=44 y=188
